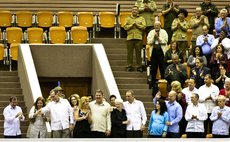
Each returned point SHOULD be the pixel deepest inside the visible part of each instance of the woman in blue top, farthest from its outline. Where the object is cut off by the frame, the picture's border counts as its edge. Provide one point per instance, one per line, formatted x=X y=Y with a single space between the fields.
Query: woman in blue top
x=157 y=123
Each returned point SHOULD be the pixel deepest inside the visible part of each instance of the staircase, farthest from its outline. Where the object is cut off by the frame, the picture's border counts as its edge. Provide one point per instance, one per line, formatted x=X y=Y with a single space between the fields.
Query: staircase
x=10 y=86
x=117 y=55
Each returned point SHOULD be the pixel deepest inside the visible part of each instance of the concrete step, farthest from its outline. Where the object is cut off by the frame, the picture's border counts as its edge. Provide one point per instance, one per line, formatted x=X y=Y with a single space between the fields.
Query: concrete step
x=134 y=74
x=6 y=97
x=116 y=51
x=108 y=40
x=10 y=91
x=118 y=68
x=8 y=73
x=118 y=62
x=117 y=57
x=133 y=86
x=10 y=85
x=130 y=80
x=9 y=79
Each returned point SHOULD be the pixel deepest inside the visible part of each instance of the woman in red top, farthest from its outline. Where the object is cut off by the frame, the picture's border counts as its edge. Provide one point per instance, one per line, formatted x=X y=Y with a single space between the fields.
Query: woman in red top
x=226 y=91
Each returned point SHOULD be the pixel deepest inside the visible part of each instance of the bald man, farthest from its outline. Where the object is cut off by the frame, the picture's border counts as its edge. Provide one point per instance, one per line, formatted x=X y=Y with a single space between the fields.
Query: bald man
x=157 y=40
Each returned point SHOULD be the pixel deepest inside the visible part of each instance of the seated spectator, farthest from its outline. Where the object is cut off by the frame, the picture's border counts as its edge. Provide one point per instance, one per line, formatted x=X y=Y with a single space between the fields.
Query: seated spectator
x=157 y=122
x=196 y=52
x=37 y=126
x=221 y=119
x=223 y=40
x=226 y=91
x=119 y=120
x=205 y=40
x=199 y=71
x=217 y=57
x=171 y=51
x=196 y=114
x=222 y=23
x=175 y=71
x=197 y=22
x=180 y=26
x=221 y=75
x=82 y=116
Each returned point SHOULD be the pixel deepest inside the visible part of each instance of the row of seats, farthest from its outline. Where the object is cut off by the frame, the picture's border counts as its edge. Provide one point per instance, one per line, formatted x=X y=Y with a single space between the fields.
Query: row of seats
x=46 y=19
x=13 y=36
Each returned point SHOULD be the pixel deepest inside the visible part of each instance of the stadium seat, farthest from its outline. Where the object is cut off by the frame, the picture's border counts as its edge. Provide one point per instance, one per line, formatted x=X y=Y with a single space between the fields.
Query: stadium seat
x=87 y=19
x=24 y=19
x=35 y=35
x=45 y=19
x=6 y=19
x=14 y=38
x=65 y=19
x=162 y=85
x=57 y=35
x=1 y=52
x=161 y=19
x=122 y=17
x=107 y=20
x=79 y=34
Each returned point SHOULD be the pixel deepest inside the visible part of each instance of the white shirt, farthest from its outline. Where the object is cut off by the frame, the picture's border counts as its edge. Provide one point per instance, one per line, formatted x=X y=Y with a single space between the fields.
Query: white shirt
x=163 y=36
x=101 y=120
x=12 y=124
x=61 y=114
x=136 y=114
x=195 y=125
x=188 y=93
x=225 y=42
x=204 y=92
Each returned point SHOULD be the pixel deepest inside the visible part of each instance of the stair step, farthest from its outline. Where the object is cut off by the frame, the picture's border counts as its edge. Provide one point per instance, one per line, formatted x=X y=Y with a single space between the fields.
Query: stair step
x=130 y=80
x=117 y=57
x=6 y=97
x=133 y=86
x=9 y=79
x=134 y=74
x=10 y=91
x=118 y=68
x=108 y=40
x=8 y=73
x=116 y=51
x=10 y=85
x=118 y=62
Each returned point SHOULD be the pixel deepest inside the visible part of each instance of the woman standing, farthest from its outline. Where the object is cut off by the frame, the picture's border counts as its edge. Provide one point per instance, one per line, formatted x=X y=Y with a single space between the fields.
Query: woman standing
x=119 y=120
x=37 y=126
x=157 y=123
x=82 y=116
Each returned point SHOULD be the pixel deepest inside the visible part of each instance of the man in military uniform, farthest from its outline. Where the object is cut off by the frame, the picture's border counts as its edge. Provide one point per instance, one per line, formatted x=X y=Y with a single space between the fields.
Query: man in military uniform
x=135 y=26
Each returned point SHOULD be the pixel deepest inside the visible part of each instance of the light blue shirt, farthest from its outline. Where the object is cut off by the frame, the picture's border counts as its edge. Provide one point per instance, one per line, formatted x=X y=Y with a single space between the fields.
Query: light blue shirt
x=157 y=123
x=219 y=23
x=205 y=46
x=175 y=116
x=220 y=125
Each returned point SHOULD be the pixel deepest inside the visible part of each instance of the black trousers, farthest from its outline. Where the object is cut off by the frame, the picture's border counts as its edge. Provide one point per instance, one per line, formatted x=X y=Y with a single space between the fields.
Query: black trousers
x=195 y=135
x=96 y=134
x=18 y=136
x=134 y=134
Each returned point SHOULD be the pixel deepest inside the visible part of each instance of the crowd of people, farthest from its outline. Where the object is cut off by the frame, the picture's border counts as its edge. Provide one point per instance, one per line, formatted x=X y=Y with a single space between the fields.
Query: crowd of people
x=199 y=70
x=196 y=105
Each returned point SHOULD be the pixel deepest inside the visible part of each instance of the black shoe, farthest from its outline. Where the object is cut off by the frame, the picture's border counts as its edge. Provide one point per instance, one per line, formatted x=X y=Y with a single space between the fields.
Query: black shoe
x=140 y=69
x=129 y=68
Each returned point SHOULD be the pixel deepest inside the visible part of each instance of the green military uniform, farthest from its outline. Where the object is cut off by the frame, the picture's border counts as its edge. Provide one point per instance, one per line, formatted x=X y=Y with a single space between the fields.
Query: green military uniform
x=147 y=13
x=168 y=19
x=134 y=38
x=197 y=27
x=180 y=35
x=210 y=14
